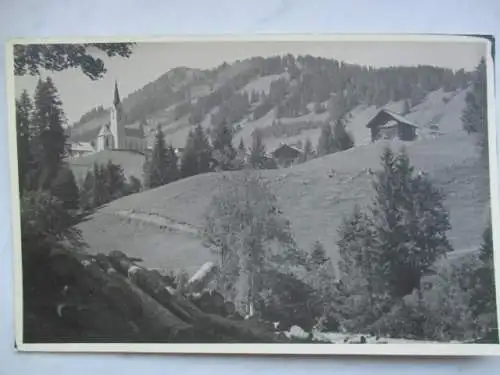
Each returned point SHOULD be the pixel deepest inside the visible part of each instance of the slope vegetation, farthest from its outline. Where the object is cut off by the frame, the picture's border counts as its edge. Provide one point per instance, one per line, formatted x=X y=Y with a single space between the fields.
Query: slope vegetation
x=163 y=225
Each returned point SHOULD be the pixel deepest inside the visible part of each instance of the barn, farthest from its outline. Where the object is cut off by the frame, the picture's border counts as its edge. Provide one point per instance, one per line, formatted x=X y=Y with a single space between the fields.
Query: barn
x=389 y=125
x=286 y=155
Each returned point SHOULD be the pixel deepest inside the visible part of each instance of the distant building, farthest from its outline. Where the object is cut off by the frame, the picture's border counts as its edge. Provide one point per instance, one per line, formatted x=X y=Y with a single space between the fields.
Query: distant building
x=79 y=149
x=286 y=155
x=117 y=135
x=389 y=125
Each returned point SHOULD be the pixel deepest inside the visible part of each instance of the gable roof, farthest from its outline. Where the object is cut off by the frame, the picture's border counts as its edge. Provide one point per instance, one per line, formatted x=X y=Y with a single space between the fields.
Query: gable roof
x=104 y=131
x=134 y=132
x=285 y=147
x=394 y=115
x=81 y=146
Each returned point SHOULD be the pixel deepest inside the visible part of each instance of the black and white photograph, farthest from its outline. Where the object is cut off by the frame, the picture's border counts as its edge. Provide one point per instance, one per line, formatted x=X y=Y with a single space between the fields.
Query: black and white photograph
x=172 y=195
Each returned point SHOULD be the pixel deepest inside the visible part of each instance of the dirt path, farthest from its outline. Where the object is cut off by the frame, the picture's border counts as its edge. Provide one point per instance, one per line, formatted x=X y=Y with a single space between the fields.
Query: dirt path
x=158 y=220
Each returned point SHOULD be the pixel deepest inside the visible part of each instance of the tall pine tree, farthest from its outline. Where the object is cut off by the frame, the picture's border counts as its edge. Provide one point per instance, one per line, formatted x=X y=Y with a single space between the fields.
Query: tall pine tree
x=65 y=188
x=410 y=221
x=197 y=155
x=157 y=167
x=49 y=145
x=257 y=158
x=222 y=143
x=475 y=114
x=24 y=108
x=326 y=142
x=343 y=139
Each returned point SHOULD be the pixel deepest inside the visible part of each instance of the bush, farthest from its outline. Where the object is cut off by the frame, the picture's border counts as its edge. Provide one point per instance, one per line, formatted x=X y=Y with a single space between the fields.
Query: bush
x=443 y=308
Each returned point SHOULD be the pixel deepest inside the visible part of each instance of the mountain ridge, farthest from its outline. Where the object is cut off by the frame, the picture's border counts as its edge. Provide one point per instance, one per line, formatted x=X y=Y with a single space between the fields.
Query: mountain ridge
x=259 y=91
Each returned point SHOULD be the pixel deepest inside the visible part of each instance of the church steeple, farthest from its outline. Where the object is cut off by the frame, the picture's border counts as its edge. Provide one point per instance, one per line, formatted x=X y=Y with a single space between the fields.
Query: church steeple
x=116 y=100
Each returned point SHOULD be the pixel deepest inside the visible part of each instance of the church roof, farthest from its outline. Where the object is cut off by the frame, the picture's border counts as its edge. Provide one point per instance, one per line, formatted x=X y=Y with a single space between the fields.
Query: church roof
x=104 y=131
x=116 y=99
x=134 y=132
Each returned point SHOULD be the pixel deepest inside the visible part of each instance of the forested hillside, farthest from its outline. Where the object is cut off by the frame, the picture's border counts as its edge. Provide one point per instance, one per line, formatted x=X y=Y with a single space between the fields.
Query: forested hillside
x=276 y=91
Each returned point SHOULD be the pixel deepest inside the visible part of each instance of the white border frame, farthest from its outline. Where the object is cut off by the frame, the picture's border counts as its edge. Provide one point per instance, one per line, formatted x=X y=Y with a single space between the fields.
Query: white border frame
x=424 y=349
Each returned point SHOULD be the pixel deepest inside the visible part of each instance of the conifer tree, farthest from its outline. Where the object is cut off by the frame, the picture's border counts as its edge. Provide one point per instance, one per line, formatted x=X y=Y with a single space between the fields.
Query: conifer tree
x=326 y=142
x=100 y=192
x=241 y=145
x=475 y=114
x=343 y=139
x=410 y=221
x=65 y=189
x=87 y=192
x=197 y=155
x=318 y=254
x=24 y=108
x=222 y=144
x=49 y=145
x=189 y=164
x=173 y=173
x=258 y=151
x=134 y=185
x=157 y=167
x=115 y=180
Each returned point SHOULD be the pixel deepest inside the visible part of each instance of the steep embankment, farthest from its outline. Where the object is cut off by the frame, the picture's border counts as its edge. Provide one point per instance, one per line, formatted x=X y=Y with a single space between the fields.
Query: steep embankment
x=162 y=225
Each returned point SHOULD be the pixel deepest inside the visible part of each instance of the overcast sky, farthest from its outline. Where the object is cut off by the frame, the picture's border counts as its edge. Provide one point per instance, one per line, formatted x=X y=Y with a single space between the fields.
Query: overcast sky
x=151 y=60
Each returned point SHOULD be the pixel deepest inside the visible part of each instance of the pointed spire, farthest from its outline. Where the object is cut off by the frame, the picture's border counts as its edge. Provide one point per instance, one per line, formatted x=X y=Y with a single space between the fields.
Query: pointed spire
x=116 y=99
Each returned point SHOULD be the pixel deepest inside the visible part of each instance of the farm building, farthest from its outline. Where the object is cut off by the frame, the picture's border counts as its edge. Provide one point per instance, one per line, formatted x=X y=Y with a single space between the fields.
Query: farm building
x=389 y=125
x=286 y=155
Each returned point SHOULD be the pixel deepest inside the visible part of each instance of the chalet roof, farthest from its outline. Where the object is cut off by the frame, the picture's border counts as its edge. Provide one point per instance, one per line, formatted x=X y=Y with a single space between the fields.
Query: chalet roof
x=284 y=147
x=395 y=116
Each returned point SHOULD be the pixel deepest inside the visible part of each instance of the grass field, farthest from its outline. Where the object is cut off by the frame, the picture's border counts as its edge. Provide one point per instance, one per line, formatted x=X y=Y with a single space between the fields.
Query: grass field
x=161 y=225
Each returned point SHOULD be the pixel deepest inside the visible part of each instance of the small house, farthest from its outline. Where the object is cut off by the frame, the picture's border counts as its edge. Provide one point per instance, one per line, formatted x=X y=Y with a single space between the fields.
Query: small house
x=389 y=125
x=79 y=149
x=286 y=155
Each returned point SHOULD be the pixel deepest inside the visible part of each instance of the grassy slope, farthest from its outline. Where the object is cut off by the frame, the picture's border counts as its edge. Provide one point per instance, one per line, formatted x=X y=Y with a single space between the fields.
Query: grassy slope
x=314 y=202
x=130 y=161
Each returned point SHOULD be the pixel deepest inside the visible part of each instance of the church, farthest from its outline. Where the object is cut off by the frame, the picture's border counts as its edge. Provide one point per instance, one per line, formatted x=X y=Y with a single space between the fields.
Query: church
x=115 y=135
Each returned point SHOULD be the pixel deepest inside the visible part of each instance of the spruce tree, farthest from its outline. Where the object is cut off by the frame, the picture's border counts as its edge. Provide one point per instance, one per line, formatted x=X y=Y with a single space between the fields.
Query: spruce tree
x=24 y=108
x=173 y=173
x=189 y=165
x=258 y=151
x=115 y=180
x=475 y=114
x=326 y=142
x=100 y=192
x=241 y=146
x=197 y=155
x=318 y=254
x=343 y=139
x=157 y=167
x=410 y=221
x=65 y=189
x=49 y=145
x=87 y=192
x=134 y=185
x=222 y=144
